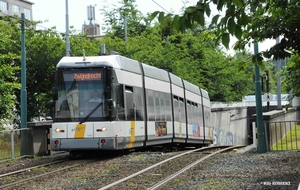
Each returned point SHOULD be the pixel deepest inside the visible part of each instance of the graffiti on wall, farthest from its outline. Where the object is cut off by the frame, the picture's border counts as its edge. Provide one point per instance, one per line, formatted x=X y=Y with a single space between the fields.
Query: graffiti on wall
x=221 y=137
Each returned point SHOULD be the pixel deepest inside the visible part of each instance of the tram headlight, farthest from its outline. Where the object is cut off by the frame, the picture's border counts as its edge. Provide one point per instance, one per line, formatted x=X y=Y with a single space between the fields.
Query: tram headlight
x=102 y=129
x=59 y=130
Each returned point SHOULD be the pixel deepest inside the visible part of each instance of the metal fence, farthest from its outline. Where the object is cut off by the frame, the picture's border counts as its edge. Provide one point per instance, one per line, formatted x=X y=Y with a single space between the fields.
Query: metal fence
x=10 y=143
x=283 y=135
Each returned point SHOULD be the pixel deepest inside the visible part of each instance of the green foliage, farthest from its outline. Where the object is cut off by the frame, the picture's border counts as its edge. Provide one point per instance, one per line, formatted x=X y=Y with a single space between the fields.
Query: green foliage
x=291 y=75
x=192 y=55
x=80 y=42
x=114 y=20
x=44 y=49
x=249 y=20
x=246 y=20
x=193 y=58
x=8 y=69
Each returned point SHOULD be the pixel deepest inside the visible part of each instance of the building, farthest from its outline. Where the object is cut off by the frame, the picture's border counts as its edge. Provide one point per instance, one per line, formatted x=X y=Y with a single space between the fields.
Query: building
x=91 y=28
x=16 y=7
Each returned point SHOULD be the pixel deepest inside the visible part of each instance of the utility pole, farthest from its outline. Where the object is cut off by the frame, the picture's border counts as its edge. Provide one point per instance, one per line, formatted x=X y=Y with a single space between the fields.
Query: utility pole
x=278 y=68
x=261 y=147
x=67 y=30
x=125 y=30
x=23 y=150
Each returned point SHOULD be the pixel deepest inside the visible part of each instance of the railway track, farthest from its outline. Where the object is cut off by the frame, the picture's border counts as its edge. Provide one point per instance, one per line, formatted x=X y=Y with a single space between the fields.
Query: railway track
x=161 y=173
x=20 y=176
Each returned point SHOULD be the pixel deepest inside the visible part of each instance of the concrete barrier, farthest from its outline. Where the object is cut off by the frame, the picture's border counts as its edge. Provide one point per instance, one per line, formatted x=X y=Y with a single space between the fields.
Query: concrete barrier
x=41 y=137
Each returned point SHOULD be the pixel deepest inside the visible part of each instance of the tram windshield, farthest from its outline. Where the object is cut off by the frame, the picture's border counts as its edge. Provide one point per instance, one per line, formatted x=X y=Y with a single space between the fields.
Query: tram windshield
x=79 y=92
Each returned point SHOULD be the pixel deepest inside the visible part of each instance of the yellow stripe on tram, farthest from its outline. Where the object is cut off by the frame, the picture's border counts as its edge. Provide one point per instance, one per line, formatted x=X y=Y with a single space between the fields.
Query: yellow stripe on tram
x=180 y=129
x=79 y=131
x=132 y=134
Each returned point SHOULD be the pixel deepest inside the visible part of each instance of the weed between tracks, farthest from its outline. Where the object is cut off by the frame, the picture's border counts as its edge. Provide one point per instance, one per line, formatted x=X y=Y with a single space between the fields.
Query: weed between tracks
x=215 y=185
x=138 y=158
x=110 y=170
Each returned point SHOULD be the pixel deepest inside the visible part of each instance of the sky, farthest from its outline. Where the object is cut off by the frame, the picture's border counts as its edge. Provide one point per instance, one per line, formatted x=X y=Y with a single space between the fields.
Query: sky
x=53 y=13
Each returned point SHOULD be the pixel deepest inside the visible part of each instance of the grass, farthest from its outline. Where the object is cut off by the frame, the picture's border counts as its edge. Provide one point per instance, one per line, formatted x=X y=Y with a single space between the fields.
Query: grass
x=138 y=158
x=5 y=145
x=110 y=170
x=291 y=141
x=215 y=184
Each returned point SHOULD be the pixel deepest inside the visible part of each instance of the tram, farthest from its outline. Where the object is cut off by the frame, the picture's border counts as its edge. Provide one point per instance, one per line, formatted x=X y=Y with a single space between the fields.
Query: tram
x=112 y=102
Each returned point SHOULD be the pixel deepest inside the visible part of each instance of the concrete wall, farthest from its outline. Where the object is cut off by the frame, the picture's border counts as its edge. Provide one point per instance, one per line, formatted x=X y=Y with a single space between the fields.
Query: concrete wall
x=230 y=126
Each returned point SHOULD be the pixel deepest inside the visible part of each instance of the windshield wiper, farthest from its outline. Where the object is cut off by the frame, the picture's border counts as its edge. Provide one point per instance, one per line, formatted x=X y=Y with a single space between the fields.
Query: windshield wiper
x=89 y=115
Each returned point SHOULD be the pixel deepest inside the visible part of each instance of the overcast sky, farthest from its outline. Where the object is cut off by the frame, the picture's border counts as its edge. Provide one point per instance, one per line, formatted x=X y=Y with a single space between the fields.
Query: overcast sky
x=53 y=12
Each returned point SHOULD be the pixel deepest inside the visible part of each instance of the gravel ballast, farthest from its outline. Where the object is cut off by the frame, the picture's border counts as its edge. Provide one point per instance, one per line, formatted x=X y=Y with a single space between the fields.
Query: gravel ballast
x=272 y=170
x=249 y=170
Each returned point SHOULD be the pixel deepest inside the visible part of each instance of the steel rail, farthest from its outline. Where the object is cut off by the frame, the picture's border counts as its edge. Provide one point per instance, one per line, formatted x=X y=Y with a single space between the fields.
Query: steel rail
x=20 y=157
x=157 y=164
x=26 y=169
x=162 y=182
x=44 y=174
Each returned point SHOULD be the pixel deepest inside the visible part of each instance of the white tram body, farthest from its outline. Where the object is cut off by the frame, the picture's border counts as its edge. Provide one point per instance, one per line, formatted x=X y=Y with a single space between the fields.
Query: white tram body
x=139 y=105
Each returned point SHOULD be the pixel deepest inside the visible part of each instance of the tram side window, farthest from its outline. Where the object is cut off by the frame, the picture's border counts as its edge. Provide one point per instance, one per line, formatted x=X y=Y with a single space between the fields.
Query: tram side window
x=182 y=110
x=176 y=109
x=192 y=113
x=200 y=115
x=151 y=114
x=168 y=110
x=195 y=118
x=162 y=110
x=120 y=103
x=157 y=109
x=129 y=103
x=189 y=112
x=139 y=105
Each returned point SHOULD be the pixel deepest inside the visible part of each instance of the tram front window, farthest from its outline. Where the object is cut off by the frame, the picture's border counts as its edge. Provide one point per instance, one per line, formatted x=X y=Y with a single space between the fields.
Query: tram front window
x=79 y=92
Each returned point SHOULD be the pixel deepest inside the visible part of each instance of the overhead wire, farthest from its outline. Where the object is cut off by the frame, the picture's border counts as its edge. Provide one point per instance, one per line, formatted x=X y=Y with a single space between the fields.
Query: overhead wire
x=160 y=6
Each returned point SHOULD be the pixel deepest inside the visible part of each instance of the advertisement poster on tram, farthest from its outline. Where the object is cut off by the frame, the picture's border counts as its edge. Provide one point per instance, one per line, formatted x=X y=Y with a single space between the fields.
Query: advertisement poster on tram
x=160 y=129
x=196 y=131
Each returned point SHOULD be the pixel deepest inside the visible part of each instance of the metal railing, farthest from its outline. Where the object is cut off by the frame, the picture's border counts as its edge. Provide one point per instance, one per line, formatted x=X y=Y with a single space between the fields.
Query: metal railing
x=244 y=104
x=10 y=143
x=282 y=135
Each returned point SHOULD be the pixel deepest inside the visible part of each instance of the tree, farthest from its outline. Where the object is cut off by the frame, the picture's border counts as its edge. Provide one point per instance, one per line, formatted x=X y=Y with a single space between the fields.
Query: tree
x=8 y=68
x=291 y=75
x=44 y=49
x=80 y=42
x=246 y=20
x=114 y=20
x=193 y=58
